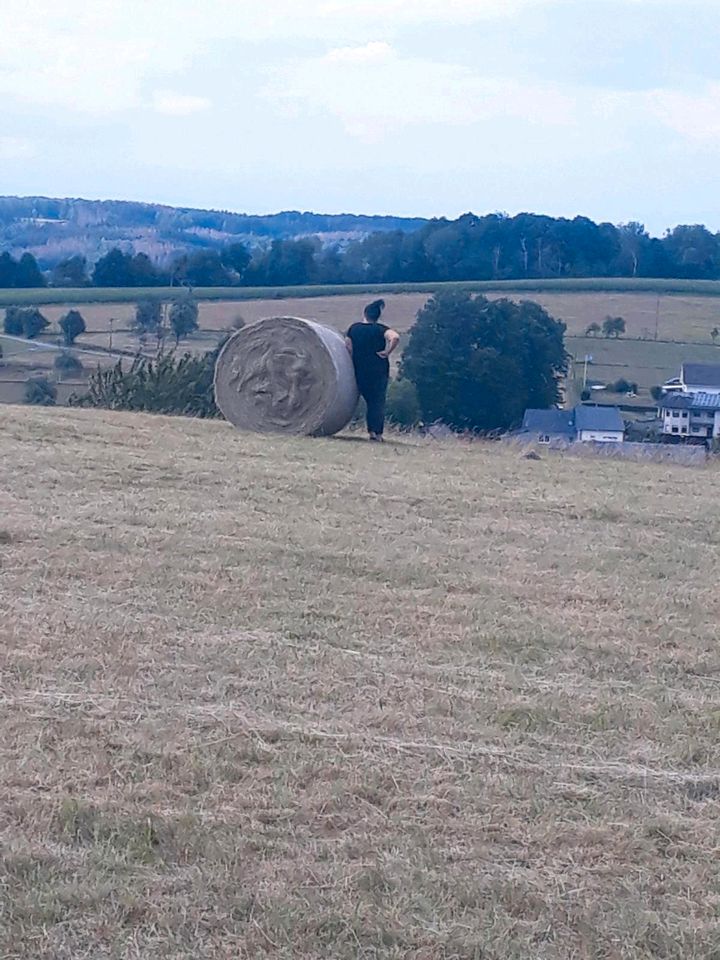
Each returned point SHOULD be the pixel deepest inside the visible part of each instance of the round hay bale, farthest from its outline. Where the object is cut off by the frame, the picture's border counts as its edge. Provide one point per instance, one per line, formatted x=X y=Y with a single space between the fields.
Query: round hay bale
x=286 y=375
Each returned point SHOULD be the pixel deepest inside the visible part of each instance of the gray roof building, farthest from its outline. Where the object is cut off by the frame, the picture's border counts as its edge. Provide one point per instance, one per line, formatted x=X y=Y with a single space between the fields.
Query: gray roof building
x=554 y=423
x=571 y=425
x=607 y=419
x=690 y=401
x=700 y=375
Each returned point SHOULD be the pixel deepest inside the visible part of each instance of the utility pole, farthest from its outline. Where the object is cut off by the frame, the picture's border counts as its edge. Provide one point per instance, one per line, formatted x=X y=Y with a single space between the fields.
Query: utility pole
x=657 y=315
x=588 y=359
x=111 y=334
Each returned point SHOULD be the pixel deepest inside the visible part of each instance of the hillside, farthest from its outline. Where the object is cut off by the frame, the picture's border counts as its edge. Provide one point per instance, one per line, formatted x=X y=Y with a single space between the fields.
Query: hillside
x=52 y=229
x=297 y=699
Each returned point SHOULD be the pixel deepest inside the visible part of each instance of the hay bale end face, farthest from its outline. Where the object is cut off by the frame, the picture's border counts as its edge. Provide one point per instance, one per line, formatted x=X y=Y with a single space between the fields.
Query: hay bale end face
x=286 y=375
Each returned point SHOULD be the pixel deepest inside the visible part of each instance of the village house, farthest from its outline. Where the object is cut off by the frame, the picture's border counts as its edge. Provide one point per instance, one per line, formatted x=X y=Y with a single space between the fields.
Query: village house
x=688 y=416
x=583 y=424
x=689 y=409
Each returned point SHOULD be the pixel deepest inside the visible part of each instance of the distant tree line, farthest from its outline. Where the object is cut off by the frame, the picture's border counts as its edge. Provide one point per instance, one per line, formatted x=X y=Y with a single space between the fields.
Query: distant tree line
x=493 y=247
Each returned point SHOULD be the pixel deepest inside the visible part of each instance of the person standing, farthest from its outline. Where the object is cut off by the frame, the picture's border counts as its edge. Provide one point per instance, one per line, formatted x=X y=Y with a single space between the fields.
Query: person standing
x=370 y=344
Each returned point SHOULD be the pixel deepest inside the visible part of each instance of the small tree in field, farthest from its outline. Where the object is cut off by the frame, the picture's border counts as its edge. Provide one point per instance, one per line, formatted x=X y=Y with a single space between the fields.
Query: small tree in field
x=183 y=318
x=148 y=316
x=25 y=322
x=714 y=333
x=72 y=325
x=593 y=330
x=13 y=322
x=479 y=364
x=613 y=326
x=67 y=364
x=33 y=322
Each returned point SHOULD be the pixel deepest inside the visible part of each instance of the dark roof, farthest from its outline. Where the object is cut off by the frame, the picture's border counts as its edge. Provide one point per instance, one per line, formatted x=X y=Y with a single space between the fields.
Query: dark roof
x=599 y=418
x=702 y=374
x=690 y=401
x=549 y=422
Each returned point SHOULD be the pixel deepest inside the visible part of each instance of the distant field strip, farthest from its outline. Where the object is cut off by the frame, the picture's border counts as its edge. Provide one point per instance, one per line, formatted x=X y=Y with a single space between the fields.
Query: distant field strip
x=705 y=288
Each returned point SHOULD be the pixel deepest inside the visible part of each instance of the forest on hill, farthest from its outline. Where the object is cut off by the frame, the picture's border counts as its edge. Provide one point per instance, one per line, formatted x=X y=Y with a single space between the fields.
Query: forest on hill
x=55 y=229
x=145 y=245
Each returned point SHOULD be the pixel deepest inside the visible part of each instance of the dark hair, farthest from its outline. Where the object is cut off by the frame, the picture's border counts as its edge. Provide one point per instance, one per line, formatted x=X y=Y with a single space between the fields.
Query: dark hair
x=373 y=310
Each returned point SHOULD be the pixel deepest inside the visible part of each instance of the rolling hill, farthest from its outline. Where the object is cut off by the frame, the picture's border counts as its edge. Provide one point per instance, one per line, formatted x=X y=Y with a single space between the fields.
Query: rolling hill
x=52 y=229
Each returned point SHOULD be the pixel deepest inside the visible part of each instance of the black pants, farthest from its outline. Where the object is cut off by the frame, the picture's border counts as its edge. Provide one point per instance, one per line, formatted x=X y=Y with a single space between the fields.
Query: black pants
x=373 y=389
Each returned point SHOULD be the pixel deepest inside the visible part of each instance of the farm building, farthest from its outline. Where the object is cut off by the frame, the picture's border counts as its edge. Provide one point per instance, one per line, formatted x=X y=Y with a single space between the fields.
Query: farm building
x=583 y=424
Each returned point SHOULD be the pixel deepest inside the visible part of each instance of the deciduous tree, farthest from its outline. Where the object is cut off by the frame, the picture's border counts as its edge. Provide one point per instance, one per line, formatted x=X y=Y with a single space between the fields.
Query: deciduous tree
x=478 y=364
x=72 y=325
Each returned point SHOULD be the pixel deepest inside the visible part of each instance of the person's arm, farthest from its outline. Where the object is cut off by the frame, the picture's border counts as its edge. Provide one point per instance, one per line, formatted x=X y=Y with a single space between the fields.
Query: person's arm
x=348 y=343
x=392 y=339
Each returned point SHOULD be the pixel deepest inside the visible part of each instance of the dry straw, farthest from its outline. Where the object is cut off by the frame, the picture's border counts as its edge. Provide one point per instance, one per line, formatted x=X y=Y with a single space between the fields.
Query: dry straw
x=286 y=375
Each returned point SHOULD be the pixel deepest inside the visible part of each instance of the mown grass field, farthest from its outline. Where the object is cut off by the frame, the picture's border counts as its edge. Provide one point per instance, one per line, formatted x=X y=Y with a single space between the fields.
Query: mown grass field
x=285 y=698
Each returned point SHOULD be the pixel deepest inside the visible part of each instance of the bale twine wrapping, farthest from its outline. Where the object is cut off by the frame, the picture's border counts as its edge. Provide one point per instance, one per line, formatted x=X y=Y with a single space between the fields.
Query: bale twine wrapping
x=286 y=375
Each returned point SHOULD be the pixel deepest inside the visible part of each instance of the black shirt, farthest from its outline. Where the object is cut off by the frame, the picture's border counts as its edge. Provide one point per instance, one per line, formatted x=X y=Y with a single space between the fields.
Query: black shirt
x=368 y=339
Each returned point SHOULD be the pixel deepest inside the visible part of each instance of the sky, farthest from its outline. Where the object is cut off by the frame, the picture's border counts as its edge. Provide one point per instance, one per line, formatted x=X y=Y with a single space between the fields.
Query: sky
x=605 y=108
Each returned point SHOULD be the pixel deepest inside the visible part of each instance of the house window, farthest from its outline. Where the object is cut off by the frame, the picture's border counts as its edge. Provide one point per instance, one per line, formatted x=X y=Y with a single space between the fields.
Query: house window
x=685 y=414
x=676 y=413
x=676 y=429
x=544 y=438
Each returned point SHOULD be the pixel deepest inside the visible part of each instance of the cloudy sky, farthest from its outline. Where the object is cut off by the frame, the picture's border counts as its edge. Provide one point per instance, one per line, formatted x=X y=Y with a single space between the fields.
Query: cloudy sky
x=609 y=108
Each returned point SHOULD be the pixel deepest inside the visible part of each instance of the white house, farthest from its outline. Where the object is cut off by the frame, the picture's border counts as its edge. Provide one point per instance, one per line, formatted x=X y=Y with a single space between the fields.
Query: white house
x=599 y=425
x=691 y=415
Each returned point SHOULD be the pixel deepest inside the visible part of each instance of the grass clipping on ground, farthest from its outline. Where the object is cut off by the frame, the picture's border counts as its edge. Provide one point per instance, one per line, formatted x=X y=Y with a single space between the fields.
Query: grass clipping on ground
x=289 y=698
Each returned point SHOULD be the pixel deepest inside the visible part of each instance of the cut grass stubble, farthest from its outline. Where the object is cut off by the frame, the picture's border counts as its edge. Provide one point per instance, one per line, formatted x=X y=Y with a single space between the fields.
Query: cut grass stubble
x=298 y=699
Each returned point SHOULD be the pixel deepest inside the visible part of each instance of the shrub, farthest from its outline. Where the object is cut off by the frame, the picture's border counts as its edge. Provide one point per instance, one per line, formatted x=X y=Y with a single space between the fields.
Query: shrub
x=166 y=384
x=585 y=395
x=67 y=364
x=403 y=408
x=238 y=322
x=657 y=393
x=622 y=386
x=72 y=325
x=40 y=392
